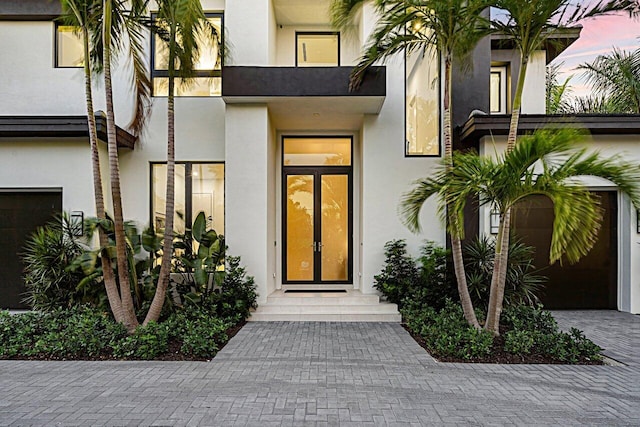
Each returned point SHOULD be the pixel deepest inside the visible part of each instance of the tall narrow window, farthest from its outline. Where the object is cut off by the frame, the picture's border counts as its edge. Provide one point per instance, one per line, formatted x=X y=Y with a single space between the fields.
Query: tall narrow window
x=208 y=76
x=317 y=49
x=69 y=49
x=199 y=188
x=498 y=90
x=422 y=104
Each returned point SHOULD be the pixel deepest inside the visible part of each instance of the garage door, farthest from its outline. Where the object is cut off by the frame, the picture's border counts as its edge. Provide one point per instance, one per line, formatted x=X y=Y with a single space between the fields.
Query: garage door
x=20 y=214
x=589 y=284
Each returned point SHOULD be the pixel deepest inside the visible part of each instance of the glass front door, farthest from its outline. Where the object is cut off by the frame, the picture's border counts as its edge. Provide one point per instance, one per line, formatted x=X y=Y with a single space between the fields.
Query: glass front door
x=317 y=226
x=317 y=212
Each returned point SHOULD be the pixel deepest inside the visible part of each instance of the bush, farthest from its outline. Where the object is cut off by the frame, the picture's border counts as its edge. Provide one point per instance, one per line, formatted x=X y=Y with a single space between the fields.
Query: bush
x=399 y=274
x=527 y=331
x=200 y=333
x=430 y=279
x=147 y=342
x=534 y=330
x=522 y=285
x=75 y=333
x=446 y=332
x=50 y=280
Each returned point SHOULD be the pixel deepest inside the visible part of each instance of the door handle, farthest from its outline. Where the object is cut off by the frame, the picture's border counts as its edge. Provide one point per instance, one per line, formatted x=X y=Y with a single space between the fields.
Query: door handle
x=319 y=246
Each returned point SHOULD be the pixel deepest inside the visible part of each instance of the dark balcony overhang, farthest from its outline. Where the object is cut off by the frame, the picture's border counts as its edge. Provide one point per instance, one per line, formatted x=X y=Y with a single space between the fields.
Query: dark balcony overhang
x=557 y=42
x=597 y=124
x=305 y=97
x=55 y=127
x=29 y=10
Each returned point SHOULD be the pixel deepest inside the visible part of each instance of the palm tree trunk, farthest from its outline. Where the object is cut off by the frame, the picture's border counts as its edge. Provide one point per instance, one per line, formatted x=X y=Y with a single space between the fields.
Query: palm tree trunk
x=110 y=284
x=129 y=317
x=167 y=244
x=499 y=275
x=456 y=244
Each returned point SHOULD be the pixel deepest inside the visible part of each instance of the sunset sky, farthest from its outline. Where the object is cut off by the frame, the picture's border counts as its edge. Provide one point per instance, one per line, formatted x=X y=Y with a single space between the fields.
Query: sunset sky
x=598 y=36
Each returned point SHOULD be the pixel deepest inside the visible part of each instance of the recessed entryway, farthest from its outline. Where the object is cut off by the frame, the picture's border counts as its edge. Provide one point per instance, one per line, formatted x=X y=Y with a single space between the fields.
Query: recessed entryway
x=21 y=212
x=317 y=208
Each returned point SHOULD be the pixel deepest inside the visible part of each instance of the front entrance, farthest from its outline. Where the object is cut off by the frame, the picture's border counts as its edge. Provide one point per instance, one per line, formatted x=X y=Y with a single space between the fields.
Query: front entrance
x=317 y=211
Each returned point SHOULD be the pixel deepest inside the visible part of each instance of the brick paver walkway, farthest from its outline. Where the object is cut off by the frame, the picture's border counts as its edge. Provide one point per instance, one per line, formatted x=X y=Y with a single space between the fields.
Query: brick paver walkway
x=331 y=374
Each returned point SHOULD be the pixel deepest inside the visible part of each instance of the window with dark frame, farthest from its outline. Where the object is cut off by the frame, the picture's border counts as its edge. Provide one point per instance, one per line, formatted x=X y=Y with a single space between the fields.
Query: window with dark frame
x=422 y=104
x=199 y=187
x=317 y=49
x=498 y=90
x=69 y=48
x=208 y=76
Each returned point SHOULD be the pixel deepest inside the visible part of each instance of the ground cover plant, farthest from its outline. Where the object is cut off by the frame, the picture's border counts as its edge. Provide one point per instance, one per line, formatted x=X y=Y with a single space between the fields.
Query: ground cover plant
x=425 y=291
x=84 y=333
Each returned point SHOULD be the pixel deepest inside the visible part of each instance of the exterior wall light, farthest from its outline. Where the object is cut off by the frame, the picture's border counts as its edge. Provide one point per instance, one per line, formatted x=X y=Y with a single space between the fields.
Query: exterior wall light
x=77 y=223
x=494 y=221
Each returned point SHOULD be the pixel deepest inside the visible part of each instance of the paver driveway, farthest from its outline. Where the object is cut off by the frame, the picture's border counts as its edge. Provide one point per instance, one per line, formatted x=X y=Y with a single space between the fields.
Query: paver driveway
x=331 y=374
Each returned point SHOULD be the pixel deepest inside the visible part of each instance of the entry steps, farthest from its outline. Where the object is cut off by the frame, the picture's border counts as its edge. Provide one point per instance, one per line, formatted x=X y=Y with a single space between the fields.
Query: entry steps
x=316 y=306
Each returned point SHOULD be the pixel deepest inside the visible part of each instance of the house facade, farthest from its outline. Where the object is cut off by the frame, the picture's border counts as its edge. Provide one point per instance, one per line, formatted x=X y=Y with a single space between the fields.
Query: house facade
x=301 y=175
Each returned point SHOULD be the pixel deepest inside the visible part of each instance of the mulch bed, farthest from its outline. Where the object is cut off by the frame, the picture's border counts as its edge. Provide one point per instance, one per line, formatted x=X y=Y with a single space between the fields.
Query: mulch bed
x=499 y=355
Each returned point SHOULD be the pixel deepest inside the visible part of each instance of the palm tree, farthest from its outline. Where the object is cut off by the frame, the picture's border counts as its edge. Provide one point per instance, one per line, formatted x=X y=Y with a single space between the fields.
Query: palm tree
x=119 y=31
x=181 y=24
x=616 y=78
x=557 y=93
x=452 y=28
x=82 y=15
x=529 y=24
x=545 y=163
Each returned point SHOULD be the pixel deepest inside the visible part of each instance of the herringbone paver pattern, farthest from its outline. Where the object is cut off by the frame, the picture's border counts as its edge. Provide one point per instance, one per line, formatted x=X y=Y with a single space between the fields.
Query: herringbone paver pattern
x=330 y=374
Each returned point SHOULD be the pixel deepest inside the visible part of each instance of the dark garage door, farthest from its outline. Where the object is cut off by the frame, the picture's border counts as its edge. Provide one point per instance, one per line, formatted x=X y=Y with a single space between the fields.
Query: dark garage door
x=589 y=284
x=20 y=214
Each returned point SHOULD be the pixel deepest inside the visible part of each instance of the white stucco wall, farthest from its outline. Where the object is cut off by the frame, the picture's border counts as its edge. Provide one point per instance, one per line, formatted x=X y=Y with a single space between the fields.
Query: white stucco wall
x=43 y=163
x=534 y=93
x=386 y=175
x=249 y=187
x=250 y=34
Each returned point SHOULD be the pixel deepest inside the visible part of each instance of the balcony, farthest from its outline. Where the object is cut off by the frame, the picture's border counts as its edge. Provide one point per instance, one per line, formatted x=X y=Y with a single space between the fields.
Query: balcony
x=301 y=97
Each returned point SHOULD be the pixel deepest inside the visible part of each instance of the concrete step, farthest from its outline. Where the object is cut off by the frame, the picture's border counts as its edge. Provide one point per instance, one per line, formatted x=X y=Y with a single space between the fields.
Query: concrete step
x=360 y=317
x=317 y=306
x=329 y=309
x=319 y=298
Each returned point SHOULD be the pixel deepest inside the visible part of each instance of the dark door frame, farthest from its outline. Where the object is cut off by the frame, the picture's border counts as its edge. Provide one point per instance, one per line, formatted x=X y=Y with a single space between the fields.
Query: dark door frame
x=317 y=172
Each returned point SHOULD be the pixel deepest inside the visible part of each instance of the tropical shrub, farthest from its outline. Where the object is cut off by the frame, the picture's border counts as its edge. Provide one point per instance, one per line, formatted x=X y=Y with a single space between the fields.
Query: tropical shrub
x=522 y=284
x=82 y=332
x=430 y=280
x=447 y=333
x=399 y=274
x=51 y=281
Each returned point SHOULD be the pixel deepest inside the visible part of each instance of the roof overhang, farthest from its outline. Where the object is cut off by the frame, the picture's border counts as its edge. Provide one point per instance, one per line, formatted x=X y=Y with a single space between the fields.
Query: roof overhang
x=597 y=124
x=29 y=10
x=559 y=40
x=60 y=127
x=307 y=97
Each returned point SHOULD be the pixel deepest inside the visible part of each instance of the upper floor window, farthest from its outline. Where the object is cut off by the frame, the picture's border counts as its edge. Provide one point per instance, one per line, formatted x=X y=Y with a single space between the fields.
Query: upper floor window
x=498 y=90
x=208 y=69
x=69 y=49
x=422 y=104
x=317 y=49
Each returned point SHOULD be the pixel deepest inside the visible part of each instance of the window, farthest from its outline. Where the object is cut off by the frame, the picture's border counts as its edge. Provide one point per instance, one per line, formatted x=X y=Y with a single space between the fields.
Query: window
x=422 y=104
x=498 y=92
x=199 y=188
x=317 y=49
x=208 y=76
x=69 y=49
